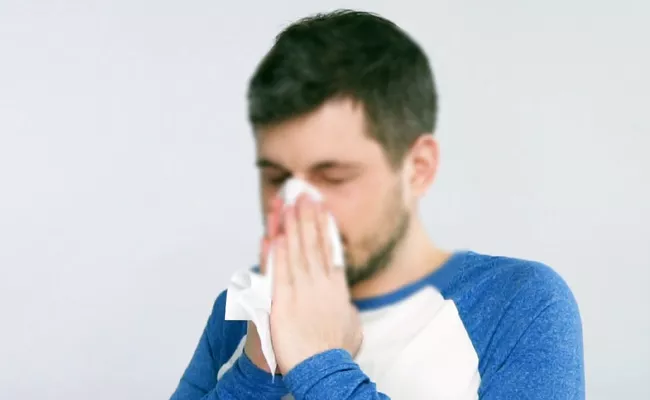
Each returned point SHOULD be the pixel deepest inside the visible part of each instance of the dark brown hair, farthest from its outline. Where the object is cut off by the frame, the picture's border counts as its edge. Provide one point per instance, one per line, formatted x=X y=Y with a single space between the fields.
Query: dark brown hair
x=351 y=54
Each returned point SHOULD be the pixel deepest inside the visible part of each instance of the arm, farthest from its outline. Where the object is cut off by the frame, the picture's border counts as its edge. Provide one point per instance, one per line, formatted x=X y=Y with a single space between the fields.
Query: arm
x=547 y=360
x=331 y=375
x=313 y=338
x=243 y=381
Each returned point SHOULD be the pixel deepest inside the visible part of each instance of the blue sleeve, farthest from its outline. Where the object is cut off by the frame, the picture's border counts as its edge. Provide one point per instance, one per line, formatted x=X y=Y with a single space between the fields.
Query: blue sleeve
x=331 y=375
x=243 y=381
x=545 y=361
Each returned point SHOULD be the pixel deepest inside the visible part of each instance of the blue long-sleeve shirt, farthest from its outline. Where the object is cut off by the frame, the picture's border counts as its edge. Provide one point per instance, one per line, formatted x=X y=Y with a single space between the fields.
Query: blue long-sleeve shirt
x=478 y=327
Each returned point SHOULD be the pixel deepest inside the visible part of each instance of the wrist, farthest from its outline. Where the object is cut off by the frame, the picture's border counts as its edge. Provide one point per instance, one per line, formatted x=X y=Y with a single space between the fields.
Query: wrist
x=299 y=356
x=253 y=349
x=249 y=381
x=256 y=358
x=317 y=373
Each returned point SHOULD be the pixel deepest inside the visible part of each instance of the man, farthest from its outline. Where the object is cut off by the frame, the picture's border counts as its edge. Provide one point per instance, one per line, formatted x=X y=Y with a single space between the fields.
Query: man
x=347 y=102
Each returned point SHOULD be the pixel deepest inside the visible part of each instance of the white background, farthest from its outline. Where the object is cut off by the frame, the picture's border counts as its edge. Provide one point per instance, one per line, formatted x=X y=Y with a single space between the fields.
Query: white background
x=128 y=194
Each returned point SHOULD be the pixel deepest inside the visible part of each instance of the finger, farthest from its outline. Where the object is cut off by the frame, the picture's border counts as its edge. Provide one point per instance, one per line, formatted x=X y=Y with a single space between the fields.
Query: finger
x=271 y=224
x=309 y=237
x=272 y=230
x=273 y=218
x=292 y=237
x=324 y=237
x=264 y=253
x=282 y=277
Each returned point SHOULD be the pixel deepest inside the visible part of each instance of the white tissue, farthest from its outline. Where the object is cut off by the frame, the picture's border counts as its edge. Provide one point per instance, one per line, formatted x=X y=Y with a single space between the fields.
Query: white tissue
x=249 y=293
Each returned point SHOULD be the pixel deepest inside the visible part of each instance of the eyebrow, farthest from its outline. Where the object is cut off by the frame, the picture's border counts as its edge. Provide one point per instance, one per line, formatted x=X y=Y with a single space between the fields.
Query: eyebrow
x=264 y=163
x=320 y=166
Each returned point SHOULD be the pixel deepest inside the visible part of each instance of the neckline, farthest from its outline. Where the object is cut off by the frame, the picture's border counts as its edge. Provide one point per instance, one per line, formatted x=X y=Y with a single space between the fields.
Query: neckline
x=440 y=278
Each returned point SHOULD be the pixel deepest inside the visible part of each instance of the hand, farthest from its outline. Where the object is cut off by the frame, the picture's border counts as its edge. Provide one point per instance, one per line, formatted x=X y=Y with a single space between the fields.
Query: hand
x=253 y=346
x=311 y=310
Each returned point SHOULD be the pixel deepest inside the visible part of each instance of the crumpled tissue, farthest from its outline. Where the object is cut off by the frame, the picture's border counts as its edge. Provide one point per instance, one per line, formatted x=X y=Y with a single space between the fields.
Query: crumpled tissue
x=249 y=293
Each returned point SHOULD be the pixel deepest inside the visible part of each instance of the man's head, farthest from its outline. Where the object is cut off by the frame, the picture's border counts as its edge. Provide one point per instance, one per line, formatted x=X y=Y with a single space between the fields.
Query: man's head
x=347 y=101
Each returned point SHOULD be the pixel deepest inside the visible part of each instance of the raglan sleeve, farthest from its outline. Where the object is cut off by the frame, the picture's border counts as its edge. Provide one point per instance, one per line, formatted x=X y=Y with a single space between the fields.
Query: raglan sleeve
x=332 y=374
x=545 y=360
x=243 y=380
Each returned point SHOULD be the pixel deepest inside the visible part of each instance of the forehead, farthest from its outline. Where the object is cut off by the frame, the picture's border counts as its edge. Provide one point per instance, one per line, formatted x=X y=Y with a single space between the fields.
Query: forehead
x=334 y=132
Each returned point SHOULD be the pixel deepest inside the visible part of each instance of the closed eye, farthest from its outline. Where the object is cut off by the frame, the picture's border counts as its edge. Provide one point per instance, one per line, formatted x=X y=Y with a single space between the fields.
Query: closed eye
x=277 y=180
x=337 y=179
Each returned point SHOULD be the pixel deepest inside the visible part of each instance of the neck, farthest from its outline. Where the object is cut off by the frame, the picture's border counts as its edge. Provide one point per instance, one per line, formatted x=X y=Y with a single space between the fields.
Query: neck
x=414 y=258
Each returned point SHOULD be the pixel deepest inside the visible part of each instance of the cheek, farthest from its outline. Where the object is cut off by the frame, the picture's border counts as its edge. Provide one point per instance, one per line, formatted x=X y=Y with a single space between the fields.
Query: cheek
x=354 y=211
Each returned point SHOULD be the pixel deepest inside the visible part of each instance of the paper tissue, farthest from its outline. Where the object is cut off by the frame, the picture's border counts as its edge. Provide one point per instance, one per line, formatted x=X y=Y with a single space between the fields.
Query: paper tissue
x=249 y=293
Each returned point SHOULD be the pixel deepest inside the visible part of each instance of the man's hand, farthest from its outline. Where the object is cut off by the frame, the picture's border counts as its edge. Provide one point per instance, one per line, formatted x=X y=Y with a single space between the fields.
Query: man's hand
x=311 y=310
x=253 y=346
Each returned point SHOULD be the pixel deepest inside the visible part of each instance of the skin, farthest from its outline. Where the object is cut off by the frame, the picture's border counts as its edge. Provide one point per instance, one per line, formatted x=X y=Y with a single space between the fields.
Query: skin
x=376 y=208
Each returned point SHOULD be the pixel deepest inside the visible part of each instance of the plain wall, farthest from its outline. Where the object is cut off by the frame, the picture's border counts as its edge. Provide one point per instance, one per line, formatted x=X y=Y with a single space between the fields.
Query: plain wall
x=128 y=193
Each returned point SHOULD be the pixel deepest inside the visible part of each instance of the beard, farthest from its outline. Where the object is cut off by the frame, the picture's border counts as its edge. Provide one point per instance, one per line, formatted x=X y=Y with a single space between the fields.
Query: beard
x=381 y=256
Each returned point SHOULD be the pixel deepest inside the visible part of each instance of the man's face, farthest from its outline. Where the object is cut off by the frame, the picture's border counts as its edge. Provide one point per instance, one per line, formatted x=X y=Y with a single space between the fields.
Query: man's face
x=329 y=148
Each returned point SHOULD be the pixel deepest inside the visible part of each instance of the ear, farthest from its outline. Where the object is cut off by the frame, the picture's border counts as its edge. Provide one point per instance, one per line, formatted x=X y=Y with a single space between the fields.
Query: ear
x=422 y=164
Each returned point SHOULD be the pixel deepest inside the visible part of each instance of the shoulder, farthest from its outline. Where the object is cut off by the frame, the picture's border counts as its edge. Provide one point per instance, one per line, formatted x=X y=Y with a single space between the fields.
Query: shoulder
x=488 y=278
x=224 y=336
x=503 y=299
x=217 y=315
x=524 y=324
